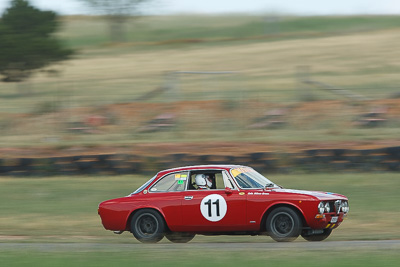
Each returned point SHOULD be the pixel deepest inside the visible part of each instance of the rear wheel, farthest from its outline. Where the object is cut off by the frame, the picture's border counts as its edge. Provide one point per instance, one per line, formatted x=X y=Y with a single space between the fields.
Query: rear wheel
x=283 y=224
x=318 y=237
x=176 y=237
x=147 y=226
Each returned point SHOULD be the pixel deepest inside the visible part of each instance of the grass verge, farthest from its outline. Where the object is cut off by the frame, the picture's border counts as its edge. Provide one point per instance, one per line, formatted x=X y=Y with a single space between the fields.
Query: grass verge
x=187 y=256
x=64 y=209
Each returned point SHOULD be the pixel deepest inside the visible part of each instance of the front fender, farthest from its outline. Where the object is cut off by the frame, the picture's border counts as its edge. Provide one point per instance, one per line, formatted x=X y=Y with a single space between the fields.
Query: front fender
x=273 y=206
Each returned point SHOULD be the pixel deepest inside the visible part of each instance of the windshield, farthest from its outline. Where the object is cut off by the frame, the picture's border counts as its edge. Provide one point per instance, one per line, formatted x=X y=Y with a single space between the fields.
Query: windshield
x=140 y=189
x=248 y=178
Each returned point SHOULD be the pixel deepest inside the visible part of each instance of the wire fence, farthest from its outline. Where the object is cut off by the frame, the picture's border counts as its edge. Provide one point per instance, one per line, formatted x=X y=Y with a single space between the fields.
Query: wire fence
x=181 y=105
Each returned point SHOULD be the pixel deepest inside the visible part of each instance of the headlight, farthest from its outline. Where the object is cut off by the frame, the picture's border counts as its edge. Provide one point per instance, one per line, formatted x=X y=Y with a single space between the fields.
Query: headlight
x=327 y=208
x=345 y=206
x=321 y=207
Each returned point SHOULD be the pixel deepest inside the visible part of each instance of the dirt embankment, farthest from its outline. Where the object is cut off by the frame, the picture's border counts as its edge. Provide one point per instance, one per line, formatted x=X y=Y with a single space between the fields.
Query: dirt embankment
x=299 y=113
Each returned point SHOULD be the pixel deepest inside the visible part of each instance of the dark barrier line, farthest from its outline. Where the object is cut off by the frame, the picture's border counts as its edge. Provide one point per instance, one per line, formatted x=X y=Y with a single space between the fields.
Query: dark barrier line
x=313 y=160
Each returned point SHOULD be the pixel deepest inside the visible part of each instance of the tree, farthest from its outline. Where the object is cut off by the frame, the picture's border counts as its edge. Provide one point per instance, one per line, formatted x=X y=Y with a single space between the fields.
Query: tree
x=27 y=43
x=117 y=13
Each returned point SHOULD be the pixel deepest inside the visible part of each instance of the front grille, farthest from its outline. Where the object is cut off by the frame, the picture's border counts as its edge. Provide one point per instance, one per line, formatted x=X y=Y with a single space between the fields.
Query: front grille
x=335 y=206
x=332 y=206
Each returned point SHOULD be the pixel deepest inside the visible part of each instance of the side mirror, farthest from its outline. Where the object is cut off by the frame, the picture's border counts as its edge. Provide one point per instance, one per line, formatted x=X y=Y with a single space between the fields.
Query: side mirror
x=228 y=191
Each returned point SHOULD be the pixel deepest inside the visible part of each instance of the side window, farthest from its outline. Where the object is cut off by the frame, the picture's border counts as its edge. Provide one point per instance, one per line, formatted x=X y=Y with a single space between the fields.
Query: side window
x=171 y=183
x=220 y=179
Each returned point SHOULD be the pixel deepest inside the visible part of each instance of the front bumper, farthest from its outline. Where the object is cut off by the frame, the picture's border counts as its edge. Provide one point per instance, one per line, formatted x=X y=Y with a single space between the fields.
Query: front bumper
x=327 y=220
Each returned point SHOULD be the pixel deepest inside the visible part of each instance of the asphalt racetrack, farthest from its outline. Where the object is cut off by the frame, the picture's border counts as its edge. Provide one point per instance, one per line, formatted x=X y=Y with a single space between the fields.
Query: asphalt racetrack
x=325 y=245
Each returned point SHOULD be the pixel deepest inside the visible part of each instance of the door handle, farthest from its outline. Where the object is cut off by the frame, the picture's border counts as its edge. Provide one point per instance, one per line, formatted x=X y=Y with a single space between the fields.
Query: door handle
x=188 y=197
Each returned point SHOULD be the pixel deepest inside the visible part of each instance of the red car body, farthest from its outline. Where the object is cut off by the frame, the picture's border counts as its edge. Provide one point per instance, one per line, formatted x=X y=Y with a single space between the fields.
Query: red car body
x=241 y=201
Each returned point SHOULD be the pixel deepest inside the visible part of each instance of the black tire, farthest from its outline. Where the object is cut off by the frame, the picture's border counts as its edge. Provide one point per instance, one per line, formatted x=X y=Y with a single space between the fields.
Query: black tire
x=148 y=226
x=318 y=237
x=176 y=237
x=283 y=224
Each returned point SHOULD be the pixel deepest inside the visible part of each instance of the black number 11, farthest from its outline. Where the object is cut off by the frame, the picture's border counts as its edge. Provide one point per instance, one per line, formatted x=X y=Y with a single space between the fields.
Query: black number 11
x=216 y=203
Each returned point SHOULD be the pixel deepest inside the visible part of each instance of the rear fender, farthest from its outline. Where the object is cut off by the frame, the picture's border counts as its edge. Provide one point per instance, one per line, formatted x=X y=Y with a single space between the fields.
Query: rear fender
x=129 y=218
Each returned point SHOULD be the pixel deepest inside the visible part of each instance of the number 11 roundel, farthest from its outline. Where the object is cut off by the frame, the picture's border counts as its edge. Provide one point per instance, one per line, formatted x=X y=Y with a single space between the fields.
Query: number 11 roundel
x=213 y=207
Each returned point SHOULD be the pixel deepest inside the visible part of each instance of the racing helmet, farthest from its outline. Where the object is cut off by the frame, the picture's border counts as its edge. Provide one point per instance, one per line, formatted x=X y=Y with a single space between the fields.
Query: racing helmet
x=203 y=180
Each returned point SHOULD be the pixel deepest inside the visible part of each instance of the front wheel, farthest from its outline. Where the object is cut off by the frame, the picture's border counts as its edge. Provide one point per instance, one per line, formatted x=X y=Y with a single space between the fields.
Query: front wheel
x=283 y=224
x=318 y=237
x=176 y=237
x=147 y=226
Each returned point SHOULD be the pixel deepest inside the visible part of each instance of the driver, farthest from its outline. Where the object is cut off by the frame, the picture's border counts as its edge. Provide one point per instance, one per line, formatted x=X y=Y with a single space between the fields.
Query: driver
x=203 y=181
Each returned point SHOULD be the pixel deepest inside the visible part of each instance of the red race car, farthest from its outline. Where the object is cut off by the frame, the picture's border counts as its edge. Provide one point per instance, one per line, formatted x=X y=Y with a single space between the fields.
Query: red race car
x=222 y=199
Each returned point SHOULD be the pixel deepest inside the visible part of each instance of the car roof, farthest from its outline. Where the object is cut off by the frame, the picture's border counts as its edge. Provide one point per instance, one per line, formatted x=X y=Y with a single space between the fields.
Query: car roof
x=203 y=167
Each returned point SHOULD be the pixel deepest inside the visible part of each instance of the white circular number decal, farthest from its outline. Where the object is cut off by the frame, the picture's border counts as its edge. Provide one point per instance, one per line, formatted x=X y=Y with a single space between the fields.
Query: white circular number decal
x=213 y=207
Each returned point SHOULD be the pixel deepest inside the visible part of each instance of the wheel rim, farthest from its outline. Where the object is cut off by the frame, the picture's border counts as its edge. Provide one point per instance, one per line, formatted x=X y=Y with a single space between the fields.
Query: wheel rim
x=147 y=225
x=282 y=224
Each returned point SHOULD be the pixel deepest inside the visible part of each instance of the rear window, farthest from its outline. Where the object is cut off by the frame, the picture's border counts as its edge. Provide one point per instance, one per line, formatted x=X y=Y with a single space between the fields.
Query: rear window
x=171 y=183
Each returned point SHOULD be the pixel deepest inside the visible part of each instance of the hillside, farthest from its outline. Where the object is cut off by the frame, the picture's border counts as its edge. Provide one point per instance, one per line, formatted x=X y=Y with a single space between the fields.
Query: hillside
x=129 y=84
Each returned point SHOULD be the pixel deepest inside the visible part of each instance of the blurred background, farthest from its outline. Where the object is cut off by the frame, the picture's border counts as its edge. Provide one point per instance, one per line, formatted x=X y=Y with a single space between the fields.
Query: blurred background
x=128 y=77
x=107 y=87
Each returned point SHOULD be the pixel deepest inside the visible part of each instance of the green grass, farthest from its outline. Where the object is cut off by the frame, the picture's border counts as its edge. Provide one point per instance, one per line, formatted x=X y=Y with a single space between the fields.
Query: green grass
x=177 y=256
x=38 y=212
x=65 y=208
x=211 y=29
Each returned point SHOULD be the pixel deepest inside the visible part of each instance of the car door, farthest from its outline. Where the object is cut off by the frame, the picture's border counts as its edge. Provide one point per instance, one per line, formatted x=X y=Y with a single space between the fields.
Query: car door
x=214 y=210
x=167 y=195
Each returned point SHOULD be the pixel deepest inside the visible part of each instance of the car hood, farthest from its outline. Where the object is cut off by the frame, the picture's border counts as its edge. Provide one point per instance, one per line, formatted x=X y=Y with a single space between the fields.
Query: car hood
x=316 y=194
